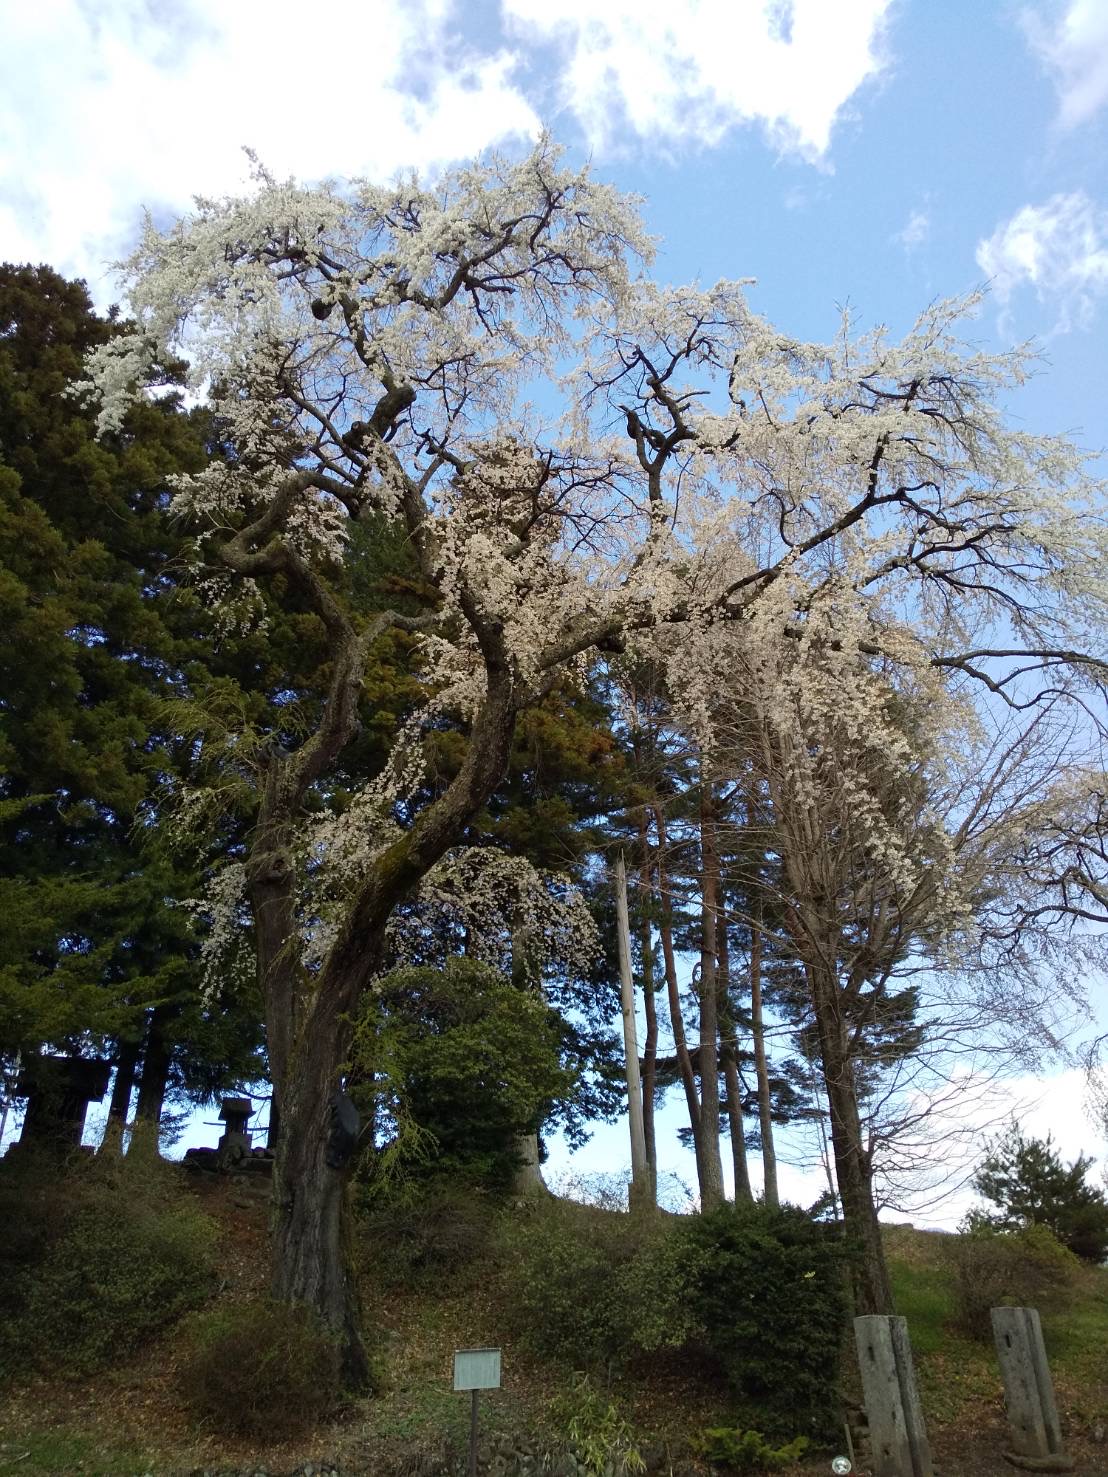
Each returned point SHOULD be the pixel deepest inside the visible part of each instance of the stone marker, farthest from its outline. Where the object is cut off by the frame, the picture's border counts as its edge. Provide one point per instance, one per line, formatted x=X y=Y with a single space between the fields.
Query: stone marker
x=898 y=1436
x=58 y=1090
x=1028 y=1392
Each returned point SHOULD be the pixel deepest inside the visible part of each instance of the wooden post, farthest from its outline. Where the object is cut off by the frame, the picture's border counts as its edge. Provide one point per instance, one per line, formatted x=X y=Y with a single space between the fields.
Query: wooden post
x=1028 y=1389
x=898 y=1435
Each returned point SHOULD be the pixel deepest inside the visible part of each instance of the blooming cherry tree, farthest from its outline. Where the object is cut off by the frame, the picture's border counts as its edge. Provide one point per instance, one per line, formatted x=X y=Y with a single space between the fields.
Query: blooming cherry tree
x=572 y=455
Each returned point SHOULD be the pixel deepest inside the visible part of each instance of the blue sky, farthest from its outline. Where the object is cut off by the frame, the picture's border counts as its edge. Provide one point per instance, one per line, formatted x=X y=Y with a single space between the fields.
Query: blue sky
x=879 y=153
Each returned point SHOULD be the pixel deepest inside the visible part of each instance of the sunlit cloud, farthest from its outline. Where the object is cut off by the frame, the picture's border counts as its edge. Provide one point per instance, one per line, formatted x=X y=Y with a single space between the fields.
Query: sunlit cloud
x=1059 y=248
x=690 y=74
x=915 y=231
x=110 y=107
x=1072 y=44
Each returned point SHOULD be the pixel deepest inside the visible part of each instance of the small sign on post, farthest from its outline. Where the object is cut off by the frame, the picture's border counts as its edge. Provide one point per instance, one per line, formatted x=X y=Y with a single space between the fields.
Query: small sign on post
x=476 y=1370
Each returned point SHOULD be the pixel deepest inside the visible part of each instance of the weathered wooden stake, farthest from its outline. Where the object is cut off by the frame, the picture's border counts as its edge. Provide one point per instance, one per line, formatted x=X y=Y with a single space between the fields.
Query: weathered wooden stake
x=897 y=1433
x=1028 y=1389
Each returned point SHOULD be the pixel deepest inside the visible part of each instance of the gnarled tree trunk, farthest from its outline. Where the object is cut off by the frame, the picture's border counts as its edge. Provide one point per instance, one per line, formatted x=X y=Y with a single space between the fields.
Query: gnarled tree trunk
x=310 y=1019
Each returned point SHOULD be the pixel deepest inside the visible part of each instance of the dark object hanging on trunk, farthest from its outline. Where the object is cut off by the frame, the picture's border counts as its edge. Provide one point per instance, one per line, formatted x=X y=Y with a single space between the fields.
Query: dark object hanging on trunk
x=345 y=1128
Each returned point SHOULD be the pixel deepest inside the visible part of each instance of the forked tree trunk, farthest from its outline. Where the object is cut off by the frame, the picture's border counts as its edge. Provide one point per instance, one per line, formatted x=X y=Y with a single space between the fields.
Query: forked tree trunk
x=853 y=1164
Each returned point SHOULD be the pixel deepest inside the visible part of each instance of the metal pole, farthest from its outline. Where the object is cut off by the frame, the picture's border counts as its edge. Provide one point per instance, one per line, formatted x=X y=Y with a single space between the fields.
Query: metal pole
x=473 y=1436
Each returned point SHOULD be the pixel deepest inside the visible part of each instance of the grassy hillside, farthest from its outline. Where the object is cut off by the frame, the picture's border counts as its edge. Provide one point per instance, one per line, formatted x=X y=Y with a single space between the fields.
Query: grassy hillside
x=127 y=1415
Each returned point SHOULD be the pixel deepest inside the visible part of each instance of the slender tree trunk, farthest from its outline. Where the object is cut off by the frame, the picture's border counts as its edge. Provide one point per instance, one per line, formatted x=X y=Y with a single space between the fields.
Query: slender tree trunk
x=761 y=1067
x=744 y=1195
x=853 y=1165
x=650 y=1047
x=669 y=961
x=527 y=1179
x=639 y=1197
x=122 y=1089
x=152 y=1084
x=709 y=1163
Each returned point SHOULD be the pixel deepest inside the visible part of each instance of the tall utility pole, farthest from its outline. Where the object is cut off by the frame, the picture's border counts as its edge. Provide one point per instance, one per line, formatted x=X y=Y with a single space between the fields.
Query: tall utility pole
x=641 y=1194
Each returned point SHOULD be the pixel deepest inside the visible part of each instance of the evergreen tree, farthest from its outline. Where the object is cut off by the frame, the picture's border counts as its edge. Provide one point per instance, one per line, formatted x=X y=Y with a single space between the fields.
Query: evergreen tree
x=95 y=951
x=1029 y=1183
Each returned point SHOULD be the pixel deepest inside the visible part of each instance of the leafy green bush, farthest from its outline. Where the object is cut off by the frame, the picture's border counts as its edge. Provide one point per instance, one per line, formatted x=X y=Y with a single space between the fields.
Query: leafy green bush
x=124 y=1251
x=731 y=1449
x=460 y=1063
x=761 y=1291
x=259 y=1368
x=766 y=1291
x=1028 y=1268
x=592 y=1288
x=424 y=1234
x=599 y=1433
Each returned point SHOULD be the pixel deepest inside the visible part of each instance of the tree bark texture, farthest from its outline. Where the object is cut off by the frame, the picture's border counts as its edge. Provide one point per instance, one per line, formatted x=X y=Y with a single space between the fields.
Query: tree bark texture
x=853 y=1164
x=310 y=1019
x=122 y=1089
x=156 y=1058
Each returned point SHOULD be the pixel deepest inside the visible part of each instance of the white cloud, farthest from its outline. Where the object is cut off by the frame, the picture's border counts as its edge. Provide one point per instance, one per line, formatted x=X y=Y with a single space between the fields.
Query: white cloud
x=915 y=230
x=690 y=73
x=107 y=106
x=1059 y=248
x=1074 y=49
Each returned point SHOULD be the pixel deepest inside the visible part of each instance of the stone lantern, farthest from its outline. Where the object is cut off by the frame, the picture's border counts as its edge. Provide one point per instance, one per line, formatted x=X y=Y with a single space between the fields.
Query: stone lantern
x=234 y=1145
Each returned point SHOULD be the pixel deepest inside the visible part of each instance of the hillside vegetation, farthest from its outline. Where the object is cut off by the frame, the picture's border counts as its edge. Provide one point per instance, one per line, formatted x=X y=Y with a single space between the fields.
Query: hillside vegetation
x=604 y=1347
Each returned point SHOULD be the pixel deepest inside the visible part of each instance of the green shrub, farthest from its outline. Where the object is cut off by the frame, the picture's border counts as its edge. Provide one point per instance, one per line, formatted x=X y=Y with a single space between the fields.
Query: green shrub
x=124 y=1251
x=467 y=1059
x=259 y=1369
x=731 y=1449
x=761 y=1291
x=601 y=1436
x=1028 y=1268
x=767 y=1294
x=593 y=1288
x=424 y=1234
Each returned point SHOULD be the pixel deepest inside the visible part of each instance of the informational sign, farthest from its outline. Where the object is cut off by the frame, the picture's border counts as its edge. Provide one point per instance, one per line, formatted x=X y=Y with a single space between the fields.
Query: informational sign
x=477 y=1369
